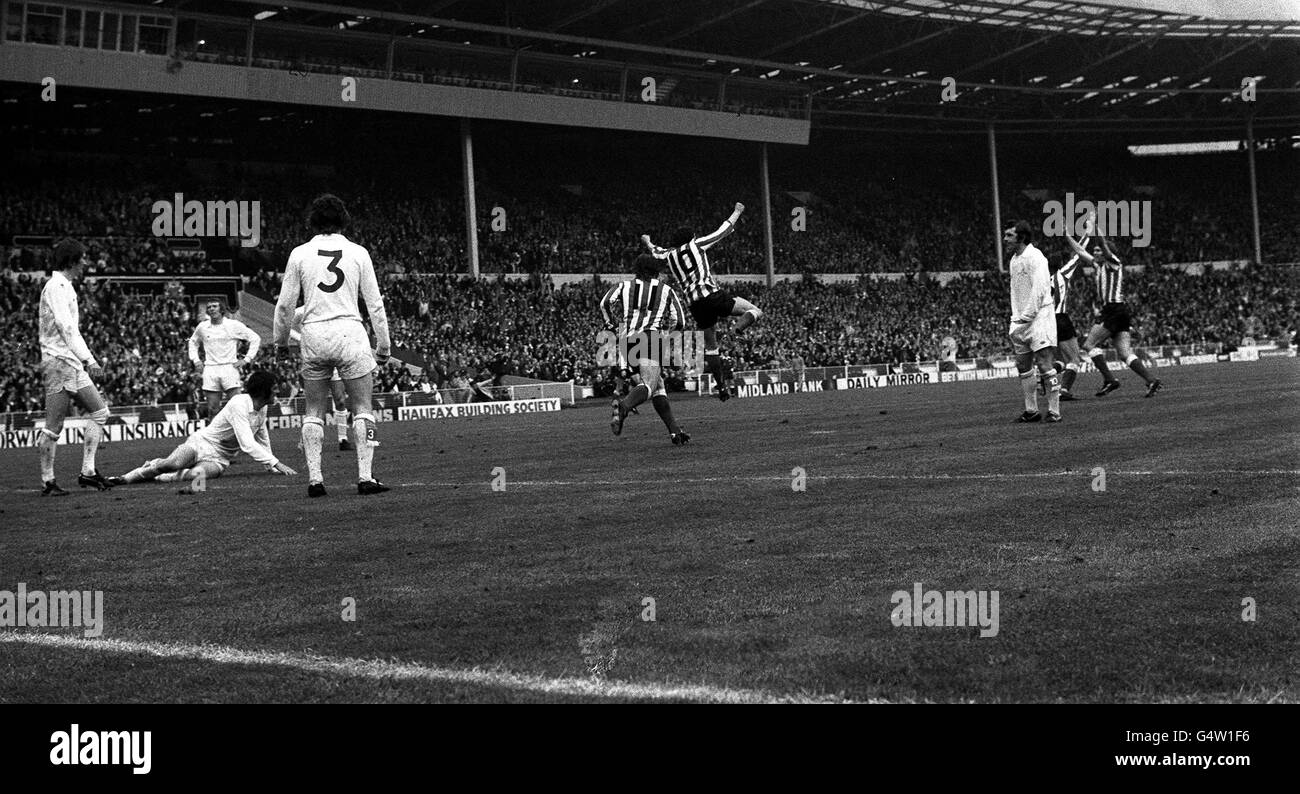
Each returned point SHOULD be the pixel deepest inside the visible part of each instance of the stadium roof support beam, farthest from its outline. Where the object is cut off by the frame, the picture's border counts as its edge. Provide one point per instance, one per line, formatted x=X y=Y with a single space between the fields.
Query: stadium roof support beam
x=704 y=23
x=768 y=257
x=471 y=213
x=997 y=201
x=594 y=8
x=1254 y=190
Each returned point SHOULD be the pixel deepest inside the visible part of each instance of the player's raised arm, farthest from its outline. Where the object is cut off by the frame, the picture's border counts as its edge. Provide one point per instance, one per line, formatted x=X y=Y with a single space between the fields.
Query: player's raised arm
x=1071 y=266
x=1079 y=250
x=728 y=226
x=652 y=248
x=375 y=305
x=607 y=304
x=1105 y=243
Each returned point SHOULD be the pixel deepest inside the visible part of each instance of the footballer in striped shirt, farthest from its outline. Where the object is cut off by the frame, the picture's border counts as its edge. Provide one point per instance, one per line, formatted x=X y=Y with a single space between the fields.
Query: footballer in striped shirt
x=688 y=263
x=1113 y=321
x=1068 y=357
x=648 y=312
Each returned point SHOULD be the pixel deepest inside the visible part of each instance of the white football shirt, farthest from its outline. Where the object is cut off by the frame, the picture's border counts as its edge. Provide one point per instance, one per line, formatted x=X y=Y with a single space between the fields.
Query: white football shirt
x=238 y=427
x=330 y=273
x=59 y=318
x=1030 y=284
x=221 y=342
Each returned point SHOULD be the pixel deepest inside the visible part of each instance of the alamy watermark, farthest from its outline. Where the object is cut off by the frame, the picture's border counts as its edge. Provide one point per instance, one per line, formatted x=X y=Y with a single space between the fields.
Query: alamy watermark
x=194 y=218
x=666 y=348
x=39 y=609
x=949 y=608
x=1130 y=219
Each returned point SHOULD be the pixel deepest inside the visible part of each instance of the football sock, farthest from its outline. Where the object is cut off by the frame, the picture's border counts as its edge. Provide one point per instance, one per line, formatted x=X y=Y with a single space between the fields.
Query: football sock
x=172 y=476
x=1135 y=364
x=665 y=411
x=146 y=472
x=313 y=437
x=1067 y=377
x=1029 y=386
x=94 y=432
x=363 y=430
x=48 y=444
x=1052 y=385
x=341 y=423
x=713 y=365
x=1099 y=361
x=747 y=319
x=638 y=395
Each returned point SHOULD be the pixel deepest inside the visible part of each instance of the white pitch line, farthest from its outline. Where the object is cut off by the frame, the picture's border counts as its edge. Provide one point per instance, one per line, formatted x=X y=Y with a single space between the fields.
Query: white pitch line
x=850 y=477
x=378 y=670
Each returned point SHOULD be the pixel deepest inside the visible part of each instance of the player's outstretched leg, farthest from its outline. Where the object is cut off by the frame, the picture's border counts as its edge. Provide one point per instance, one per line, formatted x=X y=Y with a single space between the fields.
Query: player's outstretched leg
x=748 y=313
x=1123 y=346
x=622 y=408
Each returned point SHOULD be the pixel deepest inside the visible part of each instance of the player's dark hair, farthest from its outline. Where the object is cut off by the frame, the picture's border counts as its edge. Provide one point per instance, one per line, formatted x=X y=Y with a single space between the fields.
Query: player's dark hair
x=645 y=267
x=260 y=386
x=681 y=237
x=68 y=252
x=1024 y=232
x=328 y=214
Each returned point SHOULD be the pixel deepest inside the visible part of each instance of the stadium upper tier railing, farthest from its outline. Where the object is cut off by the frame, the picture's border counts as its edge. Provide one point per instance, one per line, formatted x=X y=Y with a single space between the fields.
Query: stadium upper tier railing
x=267 y=44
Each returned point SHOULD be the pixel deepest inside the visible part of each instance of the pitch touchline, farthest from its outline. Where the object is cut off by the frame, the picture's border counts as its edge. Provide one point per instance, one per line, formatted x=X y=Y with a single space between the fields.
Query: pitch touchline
x=377 y=670
x=786 y=478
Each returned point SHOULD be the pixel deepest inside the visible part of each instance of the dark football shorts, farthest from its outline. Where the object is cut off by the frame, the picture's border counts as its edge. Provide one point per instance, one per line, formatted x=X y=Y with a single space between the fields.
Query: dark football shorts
x=1114 y=318
x=711 y=308
x=1065 y=329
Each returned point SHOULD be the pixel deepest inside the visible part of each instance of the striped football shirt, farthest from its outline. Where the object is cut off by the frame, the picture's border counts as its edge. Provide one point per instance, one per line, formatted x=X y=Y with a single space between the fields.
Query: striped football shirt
x=689 y=263
x=642 y=306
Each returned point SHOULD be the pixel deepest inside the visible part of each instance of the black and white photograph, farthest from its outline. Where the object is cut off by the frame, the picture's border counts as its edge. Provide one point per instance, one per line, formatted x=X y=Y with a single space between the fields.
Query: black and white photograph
x=630 y=351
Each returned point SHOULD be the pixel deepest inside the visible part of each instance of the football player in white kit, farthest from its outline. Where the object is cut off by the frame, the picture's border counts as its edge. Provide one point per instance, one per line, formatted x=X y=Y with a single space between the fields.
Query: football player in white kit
x=240 y=426
x=329 y=273
x=219 y=337
x=1033 y=323
x=66 y=367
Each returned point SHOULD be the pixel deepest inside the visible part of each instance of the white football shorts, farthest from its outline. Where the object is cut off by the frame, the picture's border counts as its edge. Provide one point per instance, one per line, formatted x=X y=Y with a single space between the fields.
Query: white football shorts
x=221 y=377
x=332 y=344
x=1034 y=336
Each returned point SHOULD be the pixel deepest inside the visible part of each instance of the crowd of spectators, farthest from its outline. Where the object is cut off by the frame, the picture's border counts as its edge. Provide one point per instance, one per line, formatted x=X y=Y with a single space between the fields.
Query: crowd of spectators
x=457 y=332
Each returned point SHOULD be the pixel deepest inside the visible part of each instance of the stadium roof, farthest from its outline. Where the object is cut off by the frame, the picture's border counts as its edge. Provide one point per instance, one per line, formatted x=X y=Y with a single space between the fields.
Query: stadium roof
x=1028 y=65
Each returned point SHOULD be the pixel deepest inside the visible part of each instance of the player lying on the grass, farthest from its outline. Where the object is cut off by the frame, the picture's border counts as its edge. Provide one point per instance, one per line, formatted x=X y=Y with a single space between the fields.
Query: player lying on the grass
x=1033 y=324
x=688 y=262
x=1113 y=322
x=650 y=311
x=66 y=368
x=238 y=427
x=218 y=336
x=1068 y=357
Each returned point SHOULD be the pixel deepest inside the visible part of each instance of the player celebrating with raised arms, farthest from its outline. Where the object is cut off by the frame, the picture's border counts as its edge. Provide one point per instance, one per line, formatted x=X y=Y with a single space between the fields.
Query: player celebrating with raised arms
x=1033 y=323
x=219 y=338
x=330 y=273
x=688 y=262
x=1113 y=321
x=66 y=367
x=239 y=427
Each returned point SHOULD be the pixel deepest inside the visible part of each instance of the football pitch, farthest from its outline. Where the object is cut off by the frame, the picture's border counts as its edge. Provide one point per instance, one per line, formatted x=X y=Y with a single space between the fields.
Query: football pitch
x=1142 y=550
